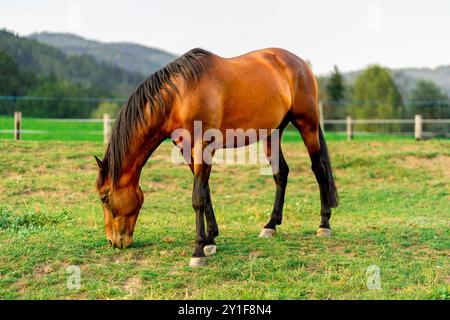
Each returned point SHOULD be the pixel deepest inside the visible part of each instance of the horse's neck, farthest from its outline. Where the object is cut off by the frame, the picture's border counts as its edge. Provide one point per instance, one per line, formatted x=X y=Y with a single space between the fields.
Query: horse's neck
x=146 y=141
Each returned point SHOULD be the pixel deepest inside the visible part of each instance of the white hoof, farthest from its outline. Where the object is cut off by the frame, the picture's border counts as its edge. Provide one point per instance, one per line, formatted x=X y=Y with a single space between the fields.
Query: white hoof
x=267 y=233
x=324 y=232
x=197 y=262
x=210 y=250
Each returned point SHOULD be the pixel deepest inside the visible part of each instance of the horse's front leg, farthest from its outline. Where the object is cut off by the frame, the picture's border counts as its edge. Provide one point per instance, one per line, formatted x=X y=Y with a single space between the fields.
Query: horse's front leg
x=199 y=203
x=211 y=227
x=211 y=224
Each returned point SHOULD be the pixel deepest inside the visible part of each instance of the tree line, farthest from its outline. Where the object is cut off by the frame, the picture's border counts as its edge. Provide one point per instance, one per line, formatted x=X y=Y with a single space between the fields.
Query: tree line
x=52 y=97
x=375 y=95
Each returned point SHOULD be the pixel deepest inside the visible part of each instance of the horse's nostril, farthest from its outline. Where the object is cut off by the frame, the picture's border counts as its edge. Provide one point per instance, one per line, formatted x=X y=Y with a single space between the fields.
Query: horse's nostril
x=110 y=242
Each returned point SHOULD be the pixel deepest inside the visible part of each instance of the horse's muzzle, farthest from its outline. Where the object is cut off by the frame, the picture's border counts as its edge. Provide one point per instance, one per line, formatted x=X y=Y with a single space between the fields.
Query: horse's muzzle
x=121 y=242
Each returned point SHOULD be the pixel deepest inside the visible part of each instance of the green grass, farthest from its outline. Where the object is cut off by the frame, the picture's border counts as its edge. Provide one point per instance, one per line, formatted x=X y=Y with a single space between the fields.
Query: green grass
x=394 y=213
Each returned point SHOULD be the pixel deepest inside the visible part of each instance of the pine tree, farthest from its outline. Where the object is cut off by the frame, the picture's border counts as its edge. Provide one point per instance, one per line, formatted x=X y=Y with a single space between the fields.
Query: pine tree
x=335 y=92
x=335 y=86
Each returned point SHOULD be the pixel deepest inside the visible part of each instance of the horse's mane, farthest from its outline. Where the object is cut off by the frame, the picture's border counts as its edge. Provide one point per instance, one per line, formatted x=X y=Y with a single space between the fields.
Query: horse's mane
x=189 y=66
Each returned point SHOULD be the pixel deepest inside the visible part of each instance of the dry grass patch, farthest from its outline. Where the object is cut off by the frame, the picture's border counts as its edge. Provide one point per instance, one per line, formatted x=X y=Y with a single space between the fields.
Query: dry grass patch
x=439 y=165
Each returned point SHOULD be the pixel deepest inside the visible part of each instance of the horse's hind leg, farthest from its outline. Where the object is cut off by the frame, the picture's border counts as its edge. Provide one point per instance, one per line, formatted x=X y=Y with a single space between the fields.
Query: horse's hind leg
x=320 y=164
x=280 y=175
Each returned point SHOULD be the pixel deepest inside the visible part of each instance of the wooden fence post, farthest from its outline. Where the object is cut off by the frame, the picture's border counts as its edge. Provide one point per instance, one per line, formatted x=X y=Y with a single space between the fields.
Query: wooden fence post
x=17 y=125
x=349 y=128
x=106 y=128
x=322 y=125
x=418 y=127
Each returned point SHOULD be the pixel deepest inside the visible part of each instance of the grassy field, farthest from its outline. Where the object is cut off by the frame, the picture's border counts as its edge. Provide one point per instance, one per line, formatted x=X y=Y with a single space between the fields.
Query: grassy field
x=394 y=213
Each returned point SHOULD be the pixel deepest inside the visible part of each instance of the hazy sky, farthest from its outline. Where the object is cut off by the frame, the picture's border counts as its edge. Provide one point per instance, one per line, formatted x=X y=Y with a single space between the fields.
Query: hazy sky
x=351 y=34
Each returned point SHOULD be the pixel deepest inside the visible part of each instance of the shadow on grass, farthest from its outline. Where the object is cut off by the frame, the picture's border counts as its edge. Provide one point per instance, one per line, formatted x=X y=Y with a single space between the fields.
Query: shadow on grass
x=140 y=244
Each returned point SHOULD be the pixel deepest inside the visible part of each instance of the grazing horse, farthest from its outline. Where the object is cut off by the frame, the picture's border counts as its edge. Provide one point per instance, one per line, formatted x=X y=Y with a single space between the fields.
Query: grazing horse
x=265 y=89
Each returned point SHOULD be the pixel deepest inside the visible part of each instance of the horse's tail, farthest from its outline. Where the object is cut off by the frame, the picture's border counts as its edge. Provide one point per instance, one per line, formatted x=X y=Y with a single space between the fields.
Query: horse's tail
x=331 y=194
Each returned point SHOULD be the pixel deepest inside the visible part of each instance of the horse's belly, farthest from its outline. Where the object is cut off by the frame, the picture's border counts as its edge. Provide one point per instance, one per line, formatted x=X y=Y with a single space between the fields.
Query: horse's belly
x=256 y=117
x=242 y=130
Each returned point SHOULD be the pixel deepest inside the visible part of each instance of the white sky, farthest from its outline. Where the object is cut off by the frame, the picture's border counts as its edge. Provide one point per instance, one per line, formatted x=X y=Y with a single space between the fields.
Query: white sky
x=348 y=33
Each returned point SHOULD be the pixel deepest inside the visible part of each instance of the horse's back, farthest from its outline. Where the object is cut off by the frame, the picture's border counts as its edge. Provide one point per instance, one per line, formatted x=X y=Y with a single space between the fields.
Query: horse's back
x=256 y=88
x=290 y=77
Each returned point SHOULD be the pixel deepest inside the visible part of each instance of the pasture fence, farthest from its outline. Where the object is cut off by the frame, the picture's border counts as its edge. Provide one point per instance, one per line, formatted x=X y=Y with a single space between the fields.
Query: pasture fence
x=106 y=127
x=349 y=122
x=17 y=125
x=74 y=118
x=418 y=122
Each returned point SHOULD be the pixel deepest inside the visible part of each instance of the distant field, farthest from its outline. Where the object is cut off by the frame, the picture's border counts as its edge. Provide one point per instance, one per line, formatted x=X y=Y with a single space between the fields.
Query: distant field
x=50 y=130
x=394 y=214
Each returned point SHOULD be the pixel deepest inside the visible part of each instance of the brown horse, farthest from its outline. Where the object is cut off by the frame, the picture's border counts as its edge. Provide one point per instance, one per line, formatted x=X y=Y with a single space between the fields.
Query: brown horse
x=264 y=89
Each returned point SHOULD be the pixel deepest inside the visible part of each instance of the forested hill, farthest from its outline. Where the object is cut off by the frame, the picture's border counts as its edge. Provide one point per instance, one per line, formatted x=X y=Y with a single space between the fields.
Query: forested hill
x=407 y=78
x=128 y=56
x=37 y=58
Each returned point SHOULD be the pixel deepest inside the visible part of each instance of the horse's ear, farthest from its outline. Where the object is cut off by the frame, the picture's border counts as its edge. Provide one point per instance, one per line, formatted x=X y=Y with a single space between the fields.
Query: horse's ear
x=100 y=164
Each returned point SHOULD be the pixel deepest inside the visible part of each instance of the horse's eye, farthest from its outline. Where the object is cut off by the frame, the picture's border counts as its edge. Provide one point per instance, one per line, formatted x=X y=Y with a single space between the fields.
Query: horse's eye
x=104 y=198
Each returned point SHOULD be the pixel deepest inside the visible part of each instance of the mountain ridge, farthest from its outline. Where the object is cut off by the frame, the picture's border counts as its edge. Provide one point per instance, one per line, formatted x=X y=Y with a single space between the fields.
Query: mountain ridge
x=137 y=58
x=129 y=56
x=38 y=58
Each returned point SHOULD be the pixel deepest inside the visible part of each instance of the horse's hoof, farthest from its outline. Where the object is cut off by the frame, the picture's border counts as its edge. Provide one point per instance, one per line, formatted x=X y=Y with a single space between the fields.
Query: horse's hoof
x=197 y=262
x=210 y=250
x=324 y=232
x=267 y=233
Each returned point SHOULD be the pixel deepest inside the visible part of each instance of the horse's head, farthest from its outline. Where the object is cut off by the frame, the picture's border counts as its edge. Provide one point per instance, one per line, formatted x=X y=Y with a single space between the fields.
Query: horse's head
x=121 y=205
